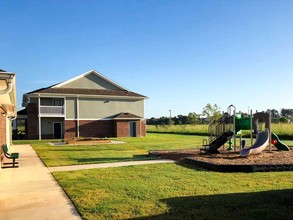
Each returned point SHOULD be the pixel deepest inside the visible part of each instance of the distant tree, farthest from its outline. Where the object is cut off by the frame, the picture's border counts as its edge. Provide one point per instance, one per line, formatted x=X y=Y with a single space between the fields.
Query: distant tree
x=275 y=115
x=193 y=118
x=287 y=113
x=283 y=120
x=212 y=112
x=181 y=120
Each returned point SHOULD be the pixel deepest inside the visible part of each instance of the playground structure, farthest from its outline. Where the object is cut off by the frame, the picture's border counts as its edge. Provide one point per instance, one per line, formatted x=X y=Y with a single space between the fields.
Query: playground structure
x=231 y=124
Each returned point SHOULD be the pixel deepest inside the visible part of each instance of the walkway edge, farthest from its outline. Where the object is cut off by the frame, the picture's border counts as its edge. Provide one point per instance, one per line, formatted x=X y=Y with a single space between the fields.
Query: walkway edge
x=108 y=165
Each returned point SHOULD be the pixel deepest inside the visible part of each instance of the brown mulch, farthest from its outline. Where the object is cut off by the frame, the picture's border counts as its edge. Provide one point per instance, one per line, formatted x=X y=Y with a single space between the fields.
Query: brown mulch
x=273 y=157
x=87 y=141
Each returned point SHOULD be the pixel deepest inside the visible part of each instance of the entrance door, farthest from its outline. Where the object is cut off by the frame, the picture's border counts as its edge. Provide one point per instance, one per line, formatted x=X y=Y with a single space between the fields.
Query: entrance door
x=132 y=129
x=57 y=130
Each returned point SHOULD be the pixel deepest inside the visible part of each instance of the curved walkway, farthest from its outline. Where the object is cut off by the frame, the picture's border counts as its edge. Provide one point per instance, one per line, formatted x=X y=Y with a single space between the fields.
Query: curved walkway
x=31 y=192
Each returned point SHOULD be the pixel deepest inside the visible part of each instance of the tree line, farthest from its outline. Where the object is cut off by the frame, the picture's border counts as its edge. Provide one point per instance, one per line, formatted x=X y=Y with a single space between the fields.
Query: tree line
x=212 y=112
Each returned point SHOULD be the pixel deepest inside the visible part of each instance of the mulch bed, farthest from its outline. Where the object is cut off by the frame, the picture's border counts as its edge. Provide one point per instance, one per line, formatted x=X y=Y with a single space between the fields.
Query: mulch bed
x=87 y=141
x=230 y=161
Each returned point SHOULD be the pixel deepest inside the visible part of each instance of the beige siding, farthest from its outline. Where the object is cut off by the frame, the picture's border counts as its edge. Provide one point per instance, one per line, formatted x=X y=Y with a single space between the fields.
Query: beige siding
x=98 y=108
x=91 y=81
x=47 y=125
x=71 y=108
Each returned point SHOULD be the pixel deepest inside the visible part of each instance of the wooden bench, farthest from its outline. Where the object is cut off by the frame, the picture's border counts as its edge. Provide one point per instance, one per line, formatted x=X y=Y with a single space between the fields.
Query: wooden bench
x=12 y=156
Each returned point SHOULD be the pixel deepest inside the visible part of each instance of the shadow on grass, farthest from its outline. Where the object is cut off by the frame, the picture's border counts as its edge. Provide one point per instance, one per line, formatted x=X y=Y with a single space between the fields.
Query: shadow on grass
x=115 y=159
x=276 y=204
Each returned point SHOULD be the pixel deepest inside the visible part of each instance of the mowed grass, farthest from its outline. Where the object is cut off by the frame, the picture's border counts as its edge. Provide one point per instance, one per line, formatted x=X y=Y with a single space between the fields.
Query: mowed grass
x=132 y=149
x=172 y=191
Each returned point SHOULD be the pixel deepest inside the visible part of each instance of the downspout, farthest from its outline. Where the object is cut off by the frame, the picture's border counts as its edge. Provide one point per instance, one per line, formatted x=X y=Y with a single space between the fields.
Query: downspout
x=77 y=115
x=39 y=117
x=8 y=125
x=8 y=89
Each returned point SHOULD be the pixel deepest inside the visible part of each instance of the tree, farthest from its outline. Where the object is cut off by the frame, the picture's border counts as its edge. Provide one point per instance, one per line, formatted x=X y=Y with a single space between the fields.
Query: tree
x=287 y=113
x=212 y=112
x=275 y=115
x=193 y=118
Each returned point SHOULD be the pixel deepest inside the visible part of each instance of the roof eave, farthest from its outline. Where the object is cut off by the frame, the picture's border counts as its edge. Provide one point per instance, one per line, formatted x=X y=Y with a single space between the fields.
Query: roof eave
x=83 y=96
x=87 y=73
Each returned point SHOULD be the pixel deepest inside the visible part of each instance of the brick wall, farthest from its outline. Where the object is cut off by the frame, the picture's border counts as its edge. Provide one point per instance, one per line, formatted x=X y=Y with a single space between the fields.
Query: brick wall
x=143 y=128
x=32 y=121
x=122 y=128
x=70 y=129
x=89 y=128
x=2 y=128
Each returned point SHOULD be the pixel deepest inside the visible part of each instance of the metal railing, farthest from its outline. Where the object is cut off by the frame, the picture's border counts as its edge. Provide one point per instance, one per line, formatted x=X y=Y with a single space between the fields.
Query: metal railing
x=52 y=110
x=218 y=127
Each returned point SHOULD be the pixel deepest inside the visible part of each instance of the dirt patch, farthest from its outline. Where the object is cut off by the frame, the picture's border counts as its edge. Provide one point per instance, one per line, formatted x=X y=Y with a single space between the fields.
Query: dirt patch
x=88 y=141
x=273 y=157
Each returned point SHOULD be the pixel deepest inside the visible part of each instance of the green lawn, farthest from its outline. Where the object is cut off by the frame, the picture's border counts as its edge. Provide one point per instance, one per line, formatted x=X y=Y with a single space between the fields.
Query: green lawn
x=164 y=191
x=171 y=191
x=132 y=149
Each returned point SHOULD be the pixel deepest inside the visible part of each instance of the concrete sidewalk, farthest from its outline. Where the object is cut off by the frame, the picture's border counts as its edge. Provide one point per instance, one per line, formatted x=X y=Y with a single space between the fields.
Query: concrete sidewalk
x=108 y=165
x=31 y=192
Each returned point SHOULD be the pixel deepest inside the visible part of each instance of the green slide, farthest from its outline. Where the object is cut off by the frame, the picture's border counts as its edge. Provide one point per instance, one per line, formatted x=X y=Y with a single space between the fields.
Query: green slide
x=279 y=144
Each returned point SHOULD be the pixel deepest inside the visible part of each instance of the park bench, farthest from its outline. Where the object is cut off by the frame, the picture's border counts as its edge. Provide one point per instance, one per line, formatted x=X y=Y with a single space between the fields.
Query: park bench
x=12 y=156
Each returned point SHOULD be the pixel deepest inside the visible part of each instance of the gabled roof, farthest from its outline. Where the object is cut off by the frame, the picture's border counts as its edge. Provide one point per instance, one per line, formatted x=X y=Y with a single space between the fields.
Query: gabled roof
x=126 y=116
x=88 y=73
x=99 y=92
x=60 y=88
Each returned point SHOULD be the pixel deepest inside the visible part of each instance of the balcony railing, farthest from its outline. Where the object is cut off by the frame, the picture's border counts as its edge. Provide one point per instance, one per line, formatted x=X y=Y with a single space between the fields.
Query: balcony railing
x=52 y=110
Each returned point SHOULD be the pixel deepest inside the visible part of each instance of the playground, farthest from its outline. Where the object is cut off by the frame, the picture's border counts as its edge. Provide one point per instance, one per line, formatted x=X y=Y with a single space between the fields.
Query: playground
x=227 y=151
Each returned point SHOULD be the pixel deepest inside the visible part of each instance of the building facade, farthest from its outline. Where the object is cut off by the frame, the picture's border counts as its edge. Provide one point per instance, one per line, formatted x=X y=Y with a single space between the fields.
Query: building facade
x=89 y=105
x=7 y=106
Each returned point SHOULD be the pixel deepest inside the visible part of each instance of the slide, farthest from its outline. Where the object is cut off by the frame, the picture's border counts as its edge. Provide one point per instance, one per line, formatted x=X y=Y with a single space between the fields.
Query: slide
x=261 y=142
x=279 y=144
x=220 y=141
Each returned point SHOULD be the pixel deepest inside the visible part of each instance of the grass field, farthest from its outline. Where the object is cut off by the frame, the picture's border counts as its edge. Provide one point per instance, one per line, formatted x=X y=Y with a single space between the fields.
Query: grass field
x=164 y=191
x=132 y=149
x=284 y=131
x=171 y=191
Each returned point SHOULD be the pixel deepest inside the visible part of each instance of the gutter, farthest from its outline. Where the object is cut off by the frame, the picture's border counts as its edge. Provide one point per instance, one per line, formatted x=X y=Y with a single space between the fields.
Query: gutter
x=8 y=89
x=8 y=77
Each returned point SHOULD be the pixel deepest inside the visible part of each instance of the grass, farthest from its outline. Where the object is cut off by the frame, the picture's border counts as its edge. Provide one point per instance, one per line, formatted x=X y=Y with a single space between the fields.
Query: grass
x=200 y=129
x=132 y=149
x=284 y=131
x=164 y=191
x=170 y=191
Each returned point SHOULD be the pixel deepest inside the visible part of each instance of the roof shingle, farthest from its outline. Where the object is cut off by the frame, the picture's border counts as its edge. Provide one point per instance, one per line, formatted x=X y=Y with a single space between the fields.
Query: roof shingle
x=87 y=92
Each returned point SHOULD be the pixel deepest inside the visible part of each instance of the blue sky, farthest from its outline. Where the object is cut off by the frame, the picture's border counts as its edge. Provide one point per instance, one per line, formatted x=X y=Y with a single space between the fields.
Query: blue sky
x=182 y=54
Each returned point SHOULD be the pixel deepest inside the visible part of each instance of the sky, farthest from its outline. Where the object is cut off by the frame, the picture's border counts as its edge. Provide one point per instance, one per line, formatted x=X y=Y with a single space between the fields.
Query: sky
x=181 y=54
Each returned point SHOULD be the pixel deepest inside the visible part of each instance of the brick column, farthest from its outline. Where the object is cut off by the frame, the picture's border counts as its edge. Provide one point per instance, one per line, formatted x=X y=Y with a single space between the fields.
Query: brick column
x=32 y=121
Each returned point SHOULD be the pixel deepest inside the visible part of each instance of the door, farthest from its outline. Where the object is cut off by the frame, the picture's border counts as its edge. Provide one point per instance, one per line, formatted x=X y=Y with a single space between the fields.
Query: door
x=57 y=129
x=132 y=129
